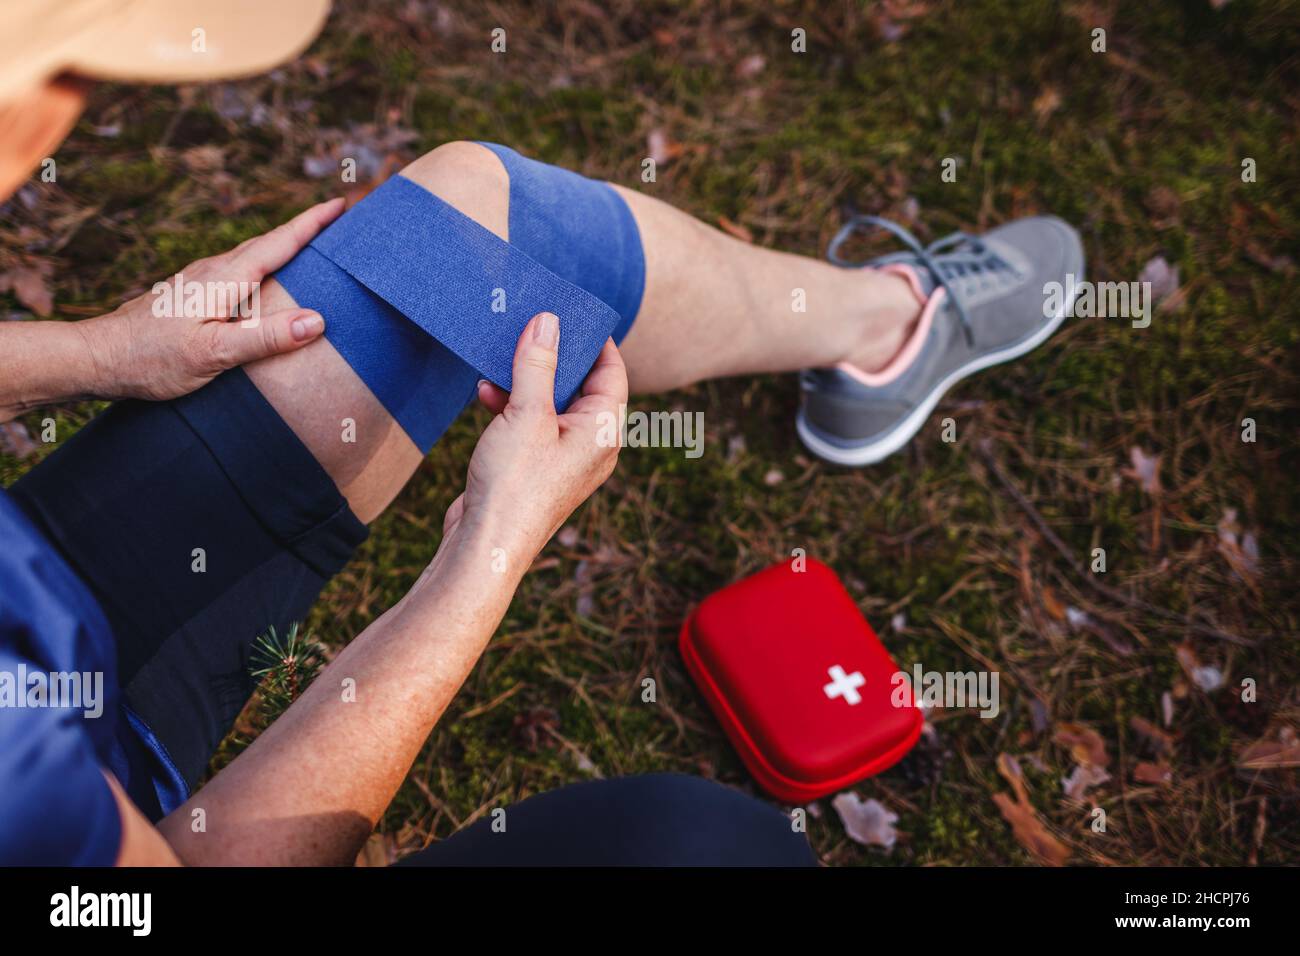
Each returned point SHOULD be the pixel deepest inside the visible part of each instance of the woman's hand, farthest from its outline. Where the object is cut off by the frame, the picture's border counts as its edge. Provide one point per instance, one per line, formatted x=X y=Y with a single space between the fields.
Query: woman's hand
x=152 y=349
x=532 y=467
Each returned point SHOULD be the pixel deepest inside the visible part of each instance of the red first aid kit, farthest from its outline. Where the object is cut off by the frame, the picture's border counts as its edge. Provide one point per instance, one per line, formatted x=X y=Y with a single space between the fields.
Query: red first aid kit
x=800 y=682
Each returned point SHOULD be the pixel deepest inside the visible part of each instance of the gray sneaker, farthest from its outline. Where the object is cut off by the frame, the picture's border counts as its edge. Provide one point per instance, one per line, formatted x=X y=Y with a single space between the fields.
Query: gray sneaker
x=985 y=301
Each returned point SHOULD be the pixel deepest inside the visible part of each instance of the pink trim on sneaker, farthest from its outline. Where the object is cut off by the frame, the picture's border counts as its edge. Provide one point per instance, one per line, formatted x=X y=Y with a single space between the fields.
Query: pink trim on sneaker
x=912 y=347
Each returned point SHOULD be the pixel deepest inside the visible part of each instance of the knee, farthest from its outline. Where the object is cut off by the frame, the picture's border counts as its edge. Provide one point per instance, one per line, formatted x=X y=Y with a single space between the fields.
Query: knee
x=469 y=177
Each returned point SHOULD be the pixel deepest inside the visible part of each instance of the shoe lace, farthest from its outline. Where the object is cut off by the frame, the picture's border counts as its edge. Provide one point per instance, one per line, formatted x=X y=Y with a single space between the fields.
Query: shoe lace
x=926 y=255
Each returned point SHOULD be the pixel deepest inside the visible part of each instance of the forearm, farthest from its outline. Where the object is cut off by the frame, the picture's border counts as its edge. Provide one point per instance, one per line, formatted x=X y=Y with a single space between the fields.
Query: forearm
x=44 y=363
x=311 y=788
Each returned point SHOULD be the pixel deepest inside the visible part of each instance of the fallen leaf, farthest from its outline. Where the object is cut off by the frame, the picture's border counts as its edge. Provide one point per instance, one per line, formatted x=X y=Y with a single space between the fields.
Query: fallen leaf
x=1164 y=205
x=662 y=148
x=1145 y=470
x=204 y=159
x=1051 y=604
x=1026 y=826
x=29 y=284
x=1159 y=774
x=1046 y=103
x=1166 y=286
x=535 y=727
x=1204 y=676
x=1278 y=752
x=1273 y=263
x=1240 y=549
x=1085 y=744
x=1160 y=741
x=1040 y=717
x=1081 y=779
x=585 y=763
x=378 y=850
x=751 y=66
x=868 y=822
x=15 y=440
x=1083 y=621
x=585 y=606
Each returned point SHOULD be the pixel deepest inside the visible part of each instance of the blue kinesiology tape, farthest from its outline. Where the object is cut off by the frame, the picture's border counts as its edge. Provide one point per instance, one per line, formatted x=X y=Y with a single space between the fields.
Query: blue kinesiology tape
x=579 y=228
x=422 y=302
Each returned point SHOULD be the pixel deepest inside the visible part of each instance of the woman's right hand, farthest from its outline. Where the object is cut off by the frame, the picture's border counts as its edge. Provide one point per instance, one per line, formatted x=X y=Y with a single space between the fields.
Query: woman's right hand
x=533 y=467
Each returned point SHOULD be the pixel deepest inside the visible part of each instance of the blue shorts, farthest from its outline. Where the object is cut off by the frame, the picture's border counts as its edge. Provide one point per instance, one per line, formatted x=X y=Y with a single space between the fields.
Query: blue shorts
x=128 y=499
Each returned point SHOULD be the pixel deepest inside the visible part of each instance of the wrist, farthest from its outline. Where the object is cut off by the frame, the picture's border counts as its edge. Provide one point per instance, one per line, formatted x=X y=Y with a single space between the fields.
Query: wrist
x=42 y=363
x=481 y=543
x=98 y=342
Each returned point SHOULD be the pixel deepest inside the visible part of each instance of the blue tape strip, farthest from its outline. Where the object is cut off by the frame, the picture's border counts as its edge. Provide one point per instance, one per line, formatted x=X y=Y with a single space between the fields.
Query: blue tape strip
x=422 y=301
x=421 y=383
x=463 y=285
x=579 y=228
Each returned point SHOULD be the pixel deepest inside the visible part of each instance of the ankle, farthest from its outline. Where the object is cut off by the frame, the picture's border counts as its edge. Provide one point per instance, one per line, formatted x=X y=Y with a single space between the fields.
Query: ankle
x=892 y=315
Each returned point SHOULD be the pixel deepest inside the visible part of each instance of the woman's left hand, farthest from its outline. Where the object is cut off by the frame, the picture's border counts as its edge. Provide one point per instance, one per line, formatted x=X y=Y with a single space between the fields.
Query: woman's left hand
x=151 y=348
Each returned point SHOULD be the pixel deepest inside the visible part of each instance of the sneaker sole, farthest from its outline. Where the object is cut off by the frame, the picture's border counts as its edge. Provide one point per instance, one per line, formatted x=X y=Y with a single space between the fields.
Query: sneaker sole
x=881 y=448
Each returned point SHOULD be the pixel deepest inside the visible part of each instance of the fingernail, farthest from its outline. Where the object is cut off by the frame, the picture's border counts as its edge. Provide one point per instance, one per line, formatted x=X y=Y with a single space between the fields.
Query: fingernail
x=546 y=330
x=307 y=326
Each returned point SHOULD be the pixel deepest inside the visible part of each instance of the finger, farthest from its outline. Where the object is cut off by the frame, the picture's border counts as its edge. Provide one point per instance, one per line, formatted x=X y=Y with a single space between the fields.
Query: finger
x=492 y=397
x=533 y=379
x=254 y=259
x=282 y=331
x=608 y=376
x=606 y=383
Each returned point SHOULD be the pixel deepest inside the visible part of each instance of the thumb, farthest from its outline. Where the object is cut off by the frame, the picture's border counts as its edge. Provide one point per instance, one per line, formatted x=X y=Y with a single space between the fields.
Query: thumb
x=278 y=332
x=533 y=384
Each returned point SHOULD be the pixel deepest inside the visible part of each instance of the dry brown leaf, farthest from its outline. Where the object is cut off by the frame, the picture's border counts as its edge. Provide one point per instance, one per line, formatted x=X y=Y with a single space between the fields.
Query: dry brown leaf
x=1046 y=103
x=1083 y=621
x=1204 y=676
x=1159 y=773
x=1026 y=826
x=663 y=148
x=1280 y=751
x=1085 y=744
x=204 y=159
x=1160 y=741
x=1240 y=549
x=30 y=286
x=1052 y=604
x=378 y=850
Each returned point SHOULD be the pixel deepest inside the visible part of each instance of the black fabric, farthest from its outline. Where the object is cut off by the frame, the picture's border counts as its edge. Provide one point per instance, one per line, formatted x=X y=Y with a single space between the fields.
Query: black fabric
x=652 y=820
x=129 y=498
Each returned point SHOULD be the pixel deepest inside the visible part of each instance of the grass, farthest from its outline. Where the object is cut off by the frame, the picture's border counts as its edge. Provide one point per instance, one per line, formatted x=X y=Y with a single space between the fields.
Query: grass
x=1140 y=146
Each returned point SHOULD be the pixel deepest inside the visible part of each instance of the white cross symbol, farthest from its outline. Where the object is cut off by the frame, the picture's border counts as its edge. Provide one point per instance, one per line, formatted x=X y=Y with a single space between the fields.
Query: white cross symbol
x=844 y=685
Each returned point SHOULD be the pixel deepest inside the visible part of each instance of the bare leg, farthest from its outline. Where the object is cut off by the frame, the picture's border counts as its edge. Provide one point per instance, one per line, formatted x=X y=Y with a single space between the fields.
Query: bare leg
x=314 y=389
x=713 y=306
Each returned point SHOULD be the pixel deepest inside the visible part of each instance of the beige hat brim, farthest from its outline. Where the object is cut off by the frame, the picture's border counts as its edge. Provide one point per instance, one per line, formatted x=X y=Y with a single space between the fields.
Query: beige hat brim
x=152 y=41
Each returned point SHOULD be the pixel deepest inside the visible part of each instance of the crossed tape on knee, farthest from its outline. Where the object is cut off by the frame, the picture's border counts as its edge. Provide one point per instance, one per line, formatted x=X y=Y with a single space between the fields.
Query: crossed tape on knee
x=422 y=302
